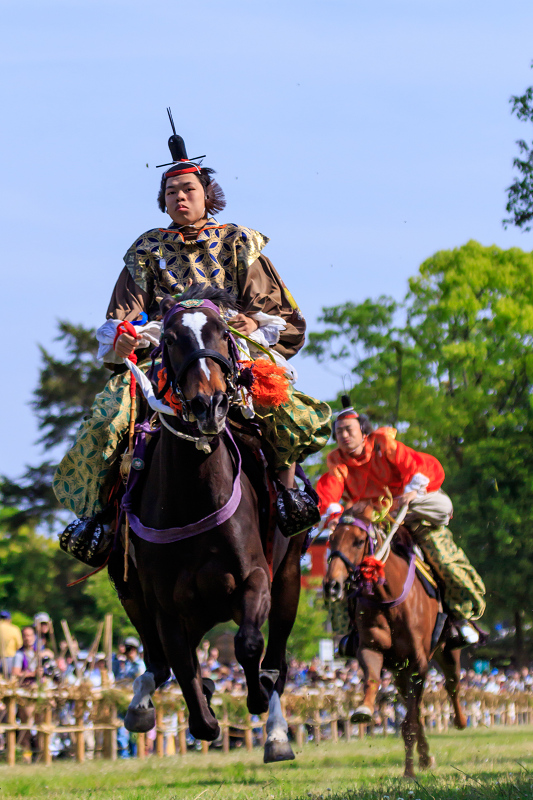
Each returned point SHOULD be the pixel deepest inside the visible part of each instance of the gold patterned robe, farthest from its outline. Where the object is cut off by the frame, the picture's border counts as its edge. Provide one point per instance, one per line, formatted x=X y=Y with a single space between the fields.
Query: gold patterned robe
x=160 y=262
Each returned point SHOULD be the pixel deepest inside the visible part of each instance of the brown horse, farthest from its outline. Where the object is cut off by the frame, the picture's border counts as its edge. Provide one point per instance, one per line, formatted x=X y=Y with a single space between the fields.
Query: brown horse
x=196 y=557
x=395 y=620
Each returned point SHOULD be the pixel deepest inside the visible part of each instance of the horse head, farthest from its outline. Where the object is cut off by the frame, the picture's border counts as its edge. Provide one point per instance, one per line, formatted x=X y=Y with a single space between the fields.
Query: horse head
x=199 y=355
x=347 y=548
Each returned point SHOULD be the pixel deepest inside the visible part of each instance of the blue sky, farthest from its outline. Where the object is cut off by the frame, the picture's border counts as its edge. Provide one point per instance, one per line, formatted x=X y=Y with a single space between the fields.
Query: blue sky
x=361 y=138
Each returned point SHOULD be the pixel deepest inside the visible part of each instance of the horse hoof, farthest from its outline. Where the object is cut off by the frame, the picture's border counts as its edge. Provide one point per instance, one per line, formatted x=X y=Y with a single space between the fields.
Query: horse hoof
x=361 y=715
x=140 y=720
x=205 y=732
x=426 y=763
x=277 y=751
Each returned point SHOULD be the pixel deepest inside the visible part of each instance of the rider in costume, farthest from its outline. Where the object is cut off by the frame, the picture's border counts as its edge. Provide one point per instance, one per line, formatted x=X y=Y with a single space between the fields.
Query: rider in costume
x=365 y=463
x=193 y=249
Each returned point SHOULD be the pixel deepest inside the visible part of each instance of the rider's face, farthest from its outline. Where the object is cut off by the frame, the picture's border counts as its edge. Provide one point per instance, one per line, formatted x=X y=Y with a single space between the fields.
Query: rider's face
x=349 y=436
x=185 y=199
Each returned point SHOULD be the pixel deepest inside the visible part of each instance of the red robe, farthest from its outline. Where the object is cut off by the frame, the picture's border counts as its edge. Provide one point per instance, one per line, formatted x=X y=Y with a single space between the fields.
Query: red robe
x=383 y=463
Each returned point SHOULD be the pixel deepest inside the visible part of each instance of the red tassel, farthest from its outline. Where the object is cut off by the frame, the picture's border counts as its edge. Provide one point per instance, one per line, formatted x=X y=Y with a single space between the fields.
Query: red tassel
x=170 y=397
x=372 y=570
x=271 y=385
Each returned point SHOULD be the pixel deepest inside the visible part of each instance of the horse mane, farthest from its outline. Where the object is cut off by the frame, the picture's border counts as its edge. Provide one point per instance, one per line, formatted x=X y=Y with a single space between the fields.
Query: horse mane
x=220 y=297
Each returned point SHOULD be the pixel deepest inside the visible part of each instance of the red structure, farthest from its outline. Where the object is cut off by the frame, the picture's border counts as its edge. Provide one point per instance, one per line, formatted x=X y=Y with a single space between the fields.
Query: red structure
x=315 y=561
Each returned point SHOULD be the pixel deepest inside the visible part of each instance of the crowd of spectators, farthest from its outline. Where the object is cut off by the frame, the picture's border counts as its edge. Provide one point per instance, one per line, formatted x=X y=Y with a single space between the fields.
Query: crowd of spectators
x=26 y=651
x=31 y=656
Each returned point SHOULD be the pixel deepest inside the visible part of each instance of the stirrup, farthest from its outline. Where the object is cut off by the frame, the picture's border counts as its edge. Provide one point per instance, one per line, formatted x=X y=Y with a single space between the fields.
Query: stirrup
x=296 y=512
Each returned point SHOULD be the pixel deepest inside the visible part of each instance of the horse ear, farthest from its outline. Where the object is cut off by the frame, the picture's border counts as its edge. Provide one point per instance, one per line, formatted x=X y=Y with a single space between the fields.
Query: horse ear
x=166 y=304
x=368 y=511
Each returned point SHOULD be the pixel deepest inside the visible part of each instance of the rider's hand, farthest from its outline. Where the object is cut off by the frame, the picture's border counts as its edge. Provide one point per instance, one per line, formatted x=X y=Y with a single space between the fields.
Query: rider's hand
x=404 y=499
x=125 y=345
x=243 y=324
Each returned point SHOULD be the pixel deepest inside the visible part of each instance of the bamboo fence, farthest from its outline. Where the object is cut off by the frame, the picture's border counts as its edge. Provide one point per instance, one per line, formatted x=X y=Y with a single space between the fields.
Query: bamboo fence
x=88 y=718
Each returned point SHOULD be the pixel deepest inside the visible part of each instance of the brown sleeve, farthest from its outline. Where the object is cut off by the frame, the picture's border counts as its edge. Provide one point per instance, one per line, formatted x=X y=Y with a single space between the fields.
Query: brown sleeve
x=262 y=289
x=128 y=299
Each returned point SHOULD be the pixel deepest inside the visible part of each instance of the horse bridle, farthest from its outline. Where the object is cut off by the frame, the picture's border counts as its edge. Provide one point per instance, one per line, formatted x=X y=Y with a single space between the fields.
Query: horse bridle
x=229 y=365
x=350 y=566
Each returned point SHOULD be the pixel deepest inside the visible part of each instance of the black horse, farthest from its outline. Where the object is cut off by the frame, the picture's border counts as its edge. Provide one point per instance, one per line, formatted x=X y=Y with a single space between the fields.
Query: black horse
x=196 y=557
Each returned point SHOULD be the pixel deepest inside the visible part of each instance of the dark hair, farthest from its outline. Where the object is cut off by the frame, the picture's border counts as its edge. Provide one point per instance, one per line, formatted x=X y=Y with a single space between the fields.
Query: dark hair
x=215 y=200
x=362 y=419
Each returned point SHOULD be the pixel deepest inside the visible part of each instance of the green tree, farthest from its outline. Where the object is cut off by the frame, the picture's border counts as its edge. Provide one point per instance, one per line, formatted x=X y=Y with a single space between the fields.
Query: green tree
x=452 y=368
x=63 y=397
x=309 y=626
x=520 y=192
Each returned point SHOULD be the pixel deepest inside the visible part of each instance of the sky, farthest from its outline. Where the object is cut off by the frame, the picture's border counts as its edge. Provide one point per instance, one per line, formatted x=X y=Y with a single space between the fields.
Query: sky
x=360 y=137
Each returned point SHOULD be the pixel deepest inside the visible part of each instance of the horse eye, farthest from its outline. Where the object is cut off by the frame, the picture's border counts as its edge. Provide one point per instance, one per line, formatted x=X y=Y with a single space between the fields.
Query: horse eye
x=169 y=339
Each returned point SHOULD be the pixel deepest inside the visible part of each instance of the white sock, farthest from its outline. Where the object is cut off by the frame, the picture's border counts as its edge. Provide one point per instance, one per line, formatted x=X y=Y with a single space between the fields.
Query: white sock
x=468 y=633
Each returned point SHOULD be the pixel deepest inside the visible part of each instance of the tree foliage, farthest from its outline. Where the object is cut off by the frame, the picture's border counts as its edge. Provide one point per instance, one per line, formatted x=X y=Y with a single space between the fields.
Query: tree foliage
x=63 y=397
x=452 y=368
x=309 y=626
x=520 y=192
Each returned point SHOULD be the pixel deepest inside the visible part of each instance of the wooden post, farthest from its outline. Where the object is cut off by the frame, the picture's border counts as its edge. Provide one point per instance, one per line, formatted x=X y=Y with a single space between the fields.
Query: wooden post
x=248 y=737
x=108 y=715
x=94 y=647
x=300 y=728
x=316 y=726
x=141 y=745
x=225 y=731
x=205 y=747
x=11 y=735
x=361 y=733
x=171 y=745
x=80 y=740
x=108 y=643
x=334 y=730
x=159 y=734
x=72 y=646
x=47 y=755
x=113 y=739
x=347 y=729
x=182 y=738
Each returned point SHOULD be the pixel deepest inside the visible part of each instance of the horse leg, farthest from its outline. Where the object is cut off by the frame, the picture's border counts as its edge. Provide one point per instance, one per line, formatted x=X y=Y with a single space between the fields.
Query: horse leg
x=449 y=660
x=180 y=649
x=140 y=716
x=411 y=687
x=285 y=597
x=371 y=662
x=249 y=643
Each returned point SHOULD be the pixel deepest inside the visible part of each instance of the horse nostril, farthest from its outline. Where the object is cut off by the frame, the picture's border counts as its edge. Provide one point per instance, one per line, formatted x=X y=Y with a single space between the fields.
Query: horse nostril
x=199 y=406
x=220 y=405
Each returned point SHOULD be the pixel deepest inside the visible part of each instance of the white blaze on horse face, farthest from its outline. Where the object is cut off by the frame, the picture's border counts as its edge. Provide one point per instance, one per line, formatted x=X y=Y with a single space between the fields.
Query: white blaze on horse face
x=196 y=322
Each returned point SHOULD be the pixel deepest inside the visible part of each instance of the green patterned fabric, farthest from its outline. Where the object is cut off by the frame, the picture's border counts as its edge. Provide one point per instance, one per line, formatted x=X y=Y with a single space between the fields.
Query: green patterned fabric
x=81 y=475
x=464 y=590
x=338 y=616
x=291 y=433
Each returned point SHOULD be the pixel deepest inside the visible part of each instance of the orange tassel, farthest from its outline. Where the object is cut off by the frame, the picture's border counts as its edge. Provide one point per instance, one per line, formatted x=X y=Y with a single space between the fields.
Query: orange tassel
x=170 y=397
x=271 y=385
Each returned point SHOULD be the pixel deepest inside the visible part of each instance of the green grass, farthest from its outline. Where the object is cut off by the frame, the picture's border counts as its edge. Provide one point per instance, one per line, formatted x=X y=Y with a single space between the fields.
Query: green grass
x=483 y=764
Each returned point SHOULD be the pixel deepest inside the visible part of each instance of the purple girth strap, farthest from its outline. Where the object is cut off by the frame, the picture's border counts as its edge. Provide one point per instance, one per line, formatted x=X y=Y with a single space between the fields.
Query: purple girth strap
x=169 y=535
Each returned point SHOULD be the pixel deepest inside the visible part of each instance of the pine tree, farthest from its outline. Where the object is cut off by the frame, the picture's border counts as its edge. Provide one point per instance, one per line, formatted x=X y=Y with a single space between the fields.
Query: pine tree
x=63 y=397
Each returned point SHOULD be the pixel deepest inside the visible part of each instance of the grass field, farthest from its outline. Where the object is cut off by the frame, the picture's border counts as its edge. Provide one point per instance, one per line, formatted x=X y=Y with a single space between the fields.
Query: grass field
x=487 y=764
